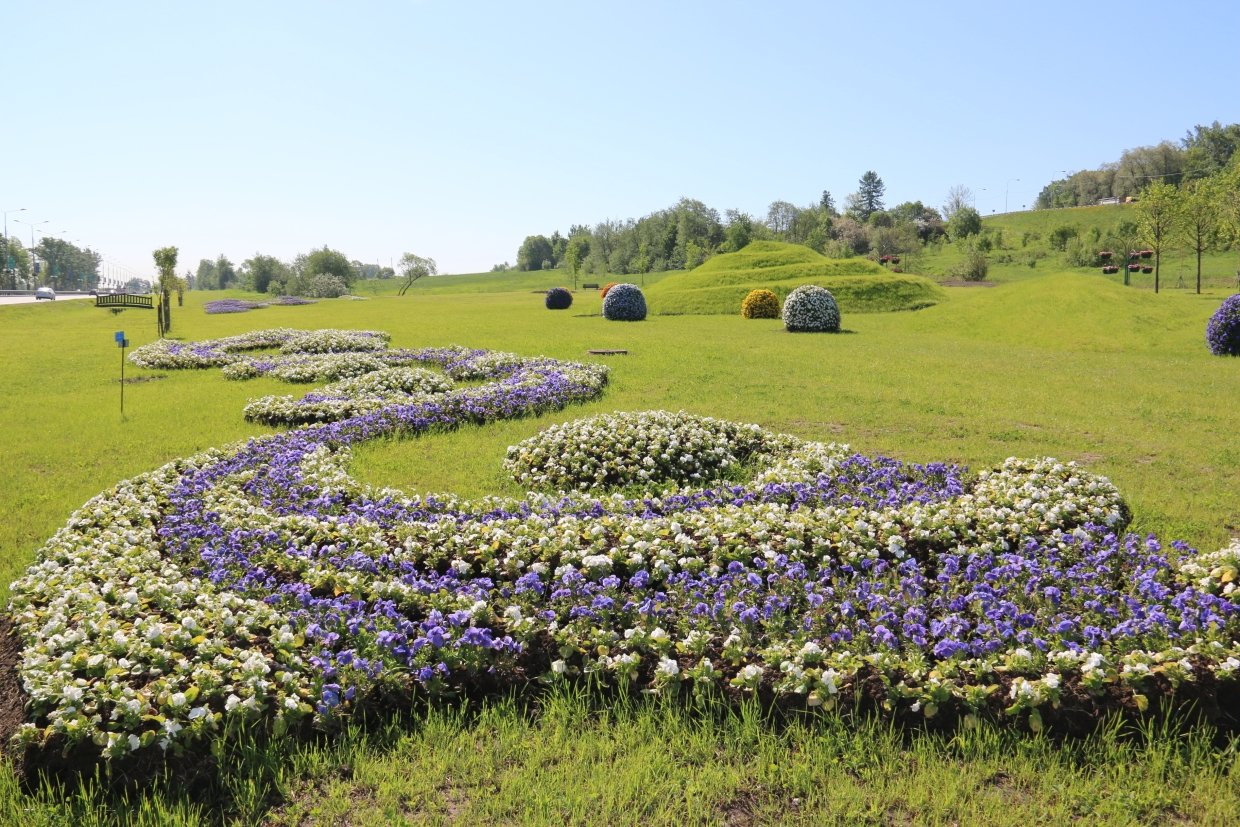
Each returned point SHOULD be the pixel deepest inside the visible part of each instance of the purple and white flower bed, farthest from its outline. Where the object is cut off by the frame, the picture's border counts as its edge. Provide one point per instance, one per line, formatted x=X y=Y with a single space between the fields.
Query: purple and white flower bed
x=262 y=585
x=242 y=305
x=231 y=306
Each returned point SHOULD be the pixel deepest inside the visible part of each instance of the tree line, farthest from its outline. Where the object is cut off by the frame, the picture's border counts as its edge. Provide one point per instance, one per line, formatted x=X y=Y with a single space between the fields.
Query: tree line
x=1204 y=151
x=321 y=273
x=59 y=264
x=324 y=272
x=686 y=234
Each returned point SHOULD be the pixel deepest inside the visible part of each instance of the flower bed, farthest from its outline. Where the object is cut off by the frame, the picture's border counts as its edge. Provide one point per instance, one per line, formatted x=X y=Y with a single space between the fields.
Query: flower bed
x=231 y=306
x=243 y=305
x=261 y=586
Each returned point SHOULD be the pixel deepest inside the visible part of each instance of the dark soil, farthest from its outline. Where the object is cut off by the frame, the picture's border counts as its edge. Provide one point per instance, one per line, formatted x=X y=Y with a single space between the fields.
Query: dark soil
x=12 y=695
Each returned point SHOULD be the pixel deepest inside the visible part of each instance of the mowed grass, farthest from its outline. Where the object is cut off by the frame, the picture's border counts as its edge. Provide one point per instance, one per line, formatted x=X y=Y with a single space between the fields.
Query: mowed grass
x=582 y=758
x=1064 y=365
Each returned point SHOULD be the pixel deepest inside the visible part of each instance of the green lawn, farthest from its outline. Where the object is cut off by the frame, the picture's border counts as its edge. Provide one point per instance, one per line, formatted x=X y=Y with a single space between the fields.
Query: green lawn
x=1064 y=365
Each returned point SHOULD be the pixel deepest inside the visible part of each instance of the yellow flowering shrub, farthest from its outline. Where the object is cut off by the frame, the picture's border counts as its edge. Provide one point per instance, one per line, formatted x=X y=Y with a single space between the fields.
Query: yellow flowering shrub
x=760 y=304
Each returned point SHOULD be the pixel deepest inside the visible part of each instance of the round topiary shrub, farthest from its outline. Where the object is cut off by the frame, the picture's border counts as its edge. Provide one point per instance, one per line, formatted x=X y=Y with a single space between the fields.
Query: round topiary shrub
x=559 y=298
x=1223 y=331
x=811 y=308
x=760 y=304
x=624 y=303
x=606 y=288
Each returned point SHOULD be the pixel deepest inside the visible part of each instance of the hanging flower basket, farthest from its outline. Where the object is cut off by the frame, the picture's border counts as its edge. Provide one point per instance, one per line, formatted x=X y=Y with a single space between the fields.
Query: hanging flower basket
x=1105 y=255
x=1147 y=254
x=1109 y=269
x=895 y=259
x=1134 y=268
x=1147 y=269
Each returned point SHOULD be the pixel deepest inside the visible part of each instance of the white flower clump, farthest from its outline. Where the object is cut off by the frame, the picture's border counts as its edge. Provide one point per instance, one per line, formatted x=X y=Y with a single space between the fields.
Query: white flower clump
x=292 y=410
x=1216 y=572
x=390 y=382
x=326 y=366
x=623 y=449
x=1021 y=498
x=336 y=341
x=810 y=308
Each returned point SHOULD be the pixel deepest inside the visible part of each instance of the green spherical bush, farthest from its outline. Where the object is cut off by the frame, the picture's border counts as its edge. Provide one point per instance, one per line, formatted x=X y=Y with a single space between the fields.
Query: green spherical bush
x=624 y=303
x=760 y=304
x=811 y=309
x=558 y=298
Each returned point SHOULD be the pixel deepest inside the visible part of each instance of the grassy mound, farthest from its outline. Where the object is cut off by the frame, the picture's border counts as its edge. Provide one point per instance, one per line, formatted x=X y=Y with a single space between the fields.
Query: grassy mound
x=721 y=284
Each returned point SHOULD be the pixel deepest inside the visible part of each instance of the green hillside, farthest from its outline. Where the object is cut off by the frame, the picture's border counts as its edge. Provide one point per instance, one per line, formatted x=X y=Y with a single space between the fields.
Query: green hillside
x=719 y=285
x=1022 y=248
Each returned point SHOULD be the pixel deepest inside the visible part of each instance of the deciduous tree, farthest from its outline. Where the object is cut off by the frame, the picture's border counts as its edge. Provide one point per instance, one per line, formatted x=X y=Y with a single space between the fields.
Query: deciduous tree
x=330 y=262
x=533 y=252
x=964 y=222
x=780 y=216
x=958 y=197
x=1200 y=219
x=414 y=267
x=166 y=264
x=263 y=271
x=1158 y=214
x=575 y=254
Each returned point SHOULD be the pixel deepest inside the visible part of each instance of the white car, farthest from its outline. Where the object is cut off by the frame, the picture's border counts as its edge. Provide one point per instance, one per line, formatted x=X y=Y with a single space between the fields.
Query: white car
x=45 y=293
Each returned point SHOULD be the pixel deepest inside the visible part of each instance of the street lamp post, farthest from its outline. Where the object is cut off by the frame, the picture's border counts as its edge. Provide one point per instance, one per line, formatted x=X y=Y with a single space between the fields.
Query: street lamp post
x=1005 y=192
x=32 y=225
x=5 y=268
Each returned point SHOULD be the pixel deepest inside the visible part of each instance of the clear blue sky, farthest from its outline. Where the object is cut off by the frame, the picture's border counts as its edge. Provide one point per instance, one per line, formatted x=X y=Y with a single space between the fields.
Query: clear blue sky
x=455 y=129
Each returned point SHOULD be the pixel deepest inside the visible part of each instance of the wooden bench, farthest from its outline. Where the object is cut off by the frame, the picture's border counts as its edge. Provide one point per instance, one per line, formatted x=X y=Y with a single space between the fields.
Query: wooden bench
x=125 y=300
x=589 y=287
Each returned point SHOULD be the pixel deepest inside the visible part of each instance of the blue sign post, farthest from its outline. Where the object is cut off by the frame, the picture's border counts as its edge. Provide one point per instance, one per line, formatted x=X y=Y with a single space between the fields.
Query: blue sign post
x=122 y=343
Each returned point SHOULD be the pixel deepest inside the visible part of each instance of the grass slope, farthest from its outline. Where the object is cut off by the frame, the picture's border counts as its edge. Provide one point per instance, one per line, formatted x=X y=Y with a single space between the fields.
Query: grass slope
x=1024 y=250
x=718 y=286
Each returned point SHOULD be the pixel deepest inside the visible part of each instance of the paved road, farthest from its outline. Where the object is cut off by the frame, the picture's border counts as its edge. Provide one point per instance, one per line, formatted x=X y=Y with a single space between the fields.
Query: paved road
x=32 y=299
